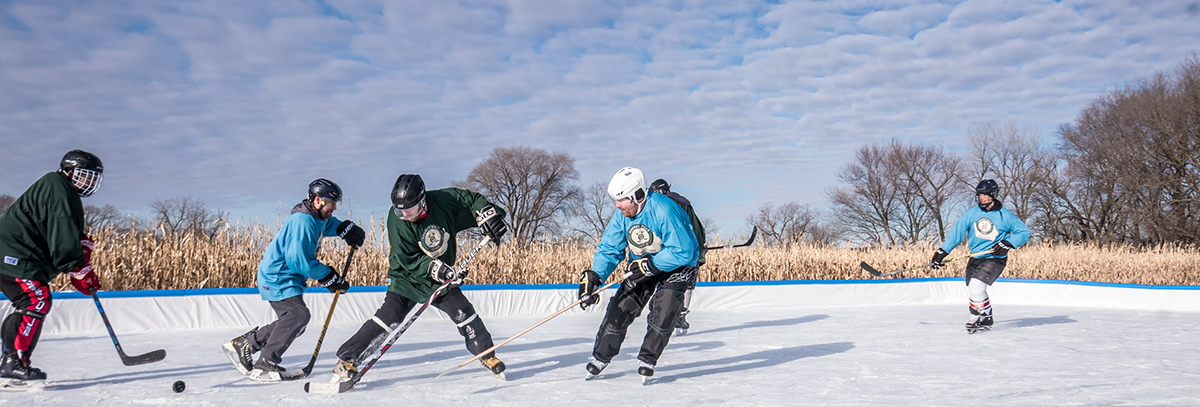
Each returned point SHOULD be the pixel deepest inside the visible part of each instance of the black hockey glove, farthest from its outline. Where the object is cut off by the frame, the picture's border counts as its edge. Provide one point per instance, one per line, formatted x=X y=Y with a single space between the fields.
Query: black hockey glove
x=491 y=222
x=588 y=282
x=441 y=272
x=643 y=269
x=351 y=233
x=334 y=282
x=1001 y=248
x=938 y=256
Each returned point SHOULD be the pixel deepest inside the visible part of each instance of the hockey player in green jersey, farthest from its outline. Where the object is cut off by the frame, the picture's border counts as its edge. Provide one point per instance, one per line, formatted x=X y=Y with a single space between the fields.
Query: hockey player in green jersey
x=422 y=228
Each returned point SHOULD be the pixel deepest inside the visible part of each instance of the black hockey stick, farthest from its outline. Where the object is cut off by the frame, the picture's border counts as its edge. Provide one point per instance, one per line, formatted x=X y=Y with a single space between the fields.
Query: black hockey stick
x=342 y=387
x=753 y=233
x=313 y=362
x=876 y=273
x=148 y=357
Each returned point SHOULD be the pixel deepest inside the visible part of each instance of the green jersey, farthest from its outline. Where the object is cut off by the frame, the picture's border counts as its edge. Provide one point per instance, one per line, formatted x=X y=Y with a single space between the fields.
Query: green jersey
x=39 y=234
x=415 y=244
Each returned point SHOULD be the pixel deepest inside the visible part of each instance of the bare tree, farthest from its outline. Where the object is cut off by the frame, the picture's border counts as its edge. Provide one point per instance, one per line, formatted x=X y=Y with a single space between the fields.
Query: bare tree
x=6 y=201
x=99 y=217
x=186 y=215
x=867 y=205
x=591 y=211
x=783 y=224
x=1017 y=159
x=930 y=176
x=1134 y=156
x=533 y=185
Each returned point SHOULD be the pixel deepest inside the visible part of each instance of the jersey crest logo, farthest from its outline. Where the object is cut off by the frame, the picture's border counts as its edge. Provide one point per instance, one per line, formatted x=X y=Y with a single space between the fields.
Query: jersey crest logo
x=434 y=240
x=985 y=229
x=642 y=241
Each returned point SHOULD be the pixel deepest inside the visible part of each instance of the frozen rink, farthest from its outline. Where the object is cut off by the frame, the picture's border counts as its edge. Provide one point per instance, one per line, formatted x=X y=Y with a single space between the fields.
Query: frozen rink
x=876 y=355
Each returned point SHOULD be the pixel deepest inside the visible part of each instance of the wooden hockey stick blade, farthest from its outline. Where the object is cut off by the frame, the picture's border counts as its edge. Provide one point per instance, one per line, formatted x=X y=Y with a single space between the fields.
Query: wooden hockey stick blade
x=148 y=357
x=531 y=327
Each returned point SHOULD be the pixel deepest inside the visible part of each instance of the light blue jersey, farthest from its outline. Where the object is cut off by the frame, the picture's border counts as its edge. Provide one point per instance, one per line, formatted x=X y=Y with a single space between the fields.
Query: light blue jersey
x=659 y=230
x=291 y=258
x=985 y=229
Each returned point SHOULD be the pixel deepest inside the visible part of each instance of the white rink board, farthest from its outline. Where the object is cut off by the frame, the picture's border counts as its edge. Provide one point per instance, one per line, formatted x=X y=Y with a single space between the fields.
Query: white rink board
x=171 y=312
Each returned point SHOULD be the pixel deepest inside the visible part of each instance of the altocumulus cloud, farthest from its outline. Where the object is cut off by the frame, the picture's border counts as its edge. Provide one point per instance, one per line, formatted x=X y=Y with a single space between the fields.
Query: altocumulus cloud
x=736 y=103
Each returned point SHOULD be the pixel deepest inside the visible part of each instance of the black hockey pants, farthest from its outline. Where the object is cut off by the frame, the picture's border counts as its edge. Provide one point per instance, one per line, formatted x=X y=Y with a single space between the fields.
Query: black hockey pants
x=664 y=293
x=276 y=337
x=392 y=314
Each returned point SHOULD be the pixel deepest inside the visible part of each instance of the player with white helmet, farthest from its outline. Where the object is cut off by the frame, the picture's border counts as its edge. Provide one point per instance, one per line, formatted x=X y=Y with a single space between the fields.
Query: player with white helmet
x=662 y=254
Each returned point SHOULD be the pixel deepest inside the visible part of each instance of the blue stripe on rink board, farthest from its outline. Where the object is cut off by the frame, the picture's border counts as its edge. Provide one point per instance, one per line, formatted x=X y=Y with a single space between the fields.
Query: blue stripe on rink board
x=379 y=288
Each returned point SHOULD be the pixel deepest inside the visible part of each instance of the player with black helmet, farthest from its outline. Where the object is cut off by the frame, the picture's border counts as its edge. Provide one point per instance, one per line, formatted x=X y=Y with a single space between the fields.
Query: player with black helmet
x=289 y=261
x=661 y=186
x=42 y=236
x=422 y=232
x=987 y=225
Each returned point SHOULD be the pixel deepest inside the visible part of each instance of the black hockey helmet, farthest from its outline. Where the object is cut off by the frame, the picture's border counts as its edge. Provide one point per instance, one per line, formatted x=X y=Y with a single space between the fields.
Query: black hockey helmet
x=660 y=186
x=80 y=159
x=408 y=191
x=84 y=169
x=987 y=187
x=324 y=188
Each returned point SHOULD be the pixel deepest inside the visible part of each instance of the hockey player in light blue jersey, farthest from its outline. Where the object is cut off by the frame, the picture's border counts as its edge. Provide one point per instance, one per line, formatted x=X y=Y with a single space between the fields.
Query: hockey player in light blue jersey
x=662 y=261
x=986 y=226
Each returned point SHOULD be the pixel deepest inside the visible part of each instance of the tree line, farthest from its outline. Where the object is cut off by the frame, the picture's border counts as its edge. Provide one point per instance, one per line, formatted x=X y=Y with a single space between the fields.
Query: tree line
x=1127 y=170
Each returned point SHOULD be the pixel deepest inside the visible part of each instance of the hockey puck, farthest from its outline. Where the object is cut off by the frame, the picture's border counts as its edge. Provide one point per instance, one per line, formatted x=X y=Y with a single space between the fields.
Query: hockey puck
x=178 y=386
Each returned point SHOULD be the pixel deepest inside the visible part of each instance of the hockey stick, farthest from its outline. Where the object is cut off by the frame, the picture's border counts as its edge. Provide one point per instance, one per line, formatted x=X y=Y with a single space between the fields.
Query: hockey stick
x=753 y=233
x=876 y=273
x=342 y=387
x=312 y=362
x=148 y=357
x=531 y=327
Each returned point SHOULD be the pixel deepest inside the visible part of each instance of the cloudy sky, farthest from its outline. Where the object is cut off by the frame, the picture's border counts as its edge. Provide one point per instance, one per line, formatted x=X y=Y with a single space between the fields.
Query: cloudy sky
x=737 y=103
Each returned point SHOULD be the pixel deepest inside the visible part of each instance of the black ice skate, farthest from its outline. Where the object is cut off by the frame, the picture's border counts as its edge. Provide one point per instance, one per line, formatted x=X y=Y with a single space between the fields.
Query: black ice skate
x=681 y=324
x=979 y=322
x=645 y=370
x=240 y=353
x=495 y=366
x=15 y=375
x=594 y=367
x=267 y=371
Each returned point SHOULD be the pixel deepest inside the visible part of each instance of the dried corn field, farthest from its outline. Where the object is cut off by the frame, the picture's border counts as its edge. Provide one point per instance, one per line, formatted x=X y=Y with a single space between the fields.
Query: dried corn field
x=144 y=260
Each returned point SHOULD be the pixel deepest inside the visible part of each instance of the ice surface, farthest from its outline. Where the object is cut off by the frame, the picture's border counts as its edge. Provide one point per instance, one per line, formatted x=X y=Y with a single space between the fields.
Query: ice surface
x=889 y=355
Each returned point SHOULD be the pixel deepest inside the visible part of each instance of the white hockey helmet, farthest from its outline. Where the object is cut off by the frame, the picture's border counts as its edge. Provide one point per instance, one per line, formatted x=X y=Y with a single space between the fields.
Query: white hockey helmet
x=627 y=183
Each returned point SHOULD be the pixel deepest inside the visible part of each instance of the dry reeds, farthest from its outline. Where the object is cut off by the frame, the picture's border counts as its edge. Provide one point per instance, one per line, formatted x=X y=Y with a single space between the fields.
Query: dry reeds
x=155 y=260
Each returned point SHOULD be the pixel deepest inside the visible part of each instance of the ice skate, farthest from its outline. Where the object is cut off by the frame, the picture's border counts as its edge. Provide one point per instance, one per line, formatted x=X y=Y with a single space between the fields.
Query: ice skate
x=344 y=370
x=681 y=324
x=645 y=370
x=979 y=322
x=495 y=366
x=240 y=352
x=15 y=375
x=267 y=371
x=594 y=367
